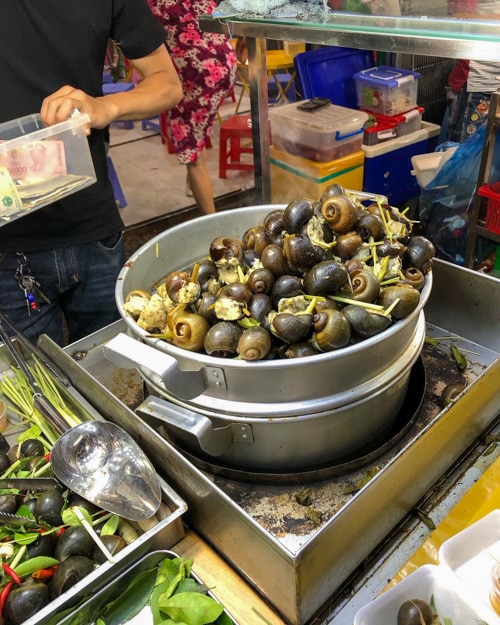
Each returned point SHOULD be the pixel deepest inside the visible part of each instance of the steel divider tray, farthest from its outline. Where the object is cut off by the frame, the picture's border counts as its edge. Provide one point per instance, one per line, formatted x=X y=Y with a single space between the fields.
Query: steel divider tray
x=164 y=534
x=90 y=610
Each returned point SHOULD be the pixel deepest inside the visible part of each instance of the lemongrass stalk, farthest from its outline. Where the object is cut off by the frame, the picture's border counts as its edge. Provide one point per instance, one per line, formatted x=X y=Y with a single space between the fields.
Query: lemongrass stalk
x=347 y=300
x=387 y=312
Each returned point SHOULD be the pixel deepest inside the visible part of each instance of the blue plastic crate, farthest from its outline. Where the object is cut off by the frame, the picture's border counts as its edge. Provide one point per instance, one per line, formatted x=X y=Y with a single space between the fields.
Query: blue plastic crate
x=328 y=73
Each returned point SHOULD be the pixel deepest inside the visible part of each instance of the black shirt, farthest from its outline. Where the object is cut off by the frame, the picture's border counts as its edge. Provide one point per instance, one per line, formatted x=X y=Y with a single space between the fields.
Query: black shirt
x=45 y=44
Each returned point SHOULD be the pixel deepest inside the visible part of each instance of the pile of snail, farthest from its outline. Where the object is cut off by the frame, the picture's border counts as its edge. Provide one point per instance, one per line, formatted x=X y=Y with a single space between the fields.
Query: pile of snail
x=316 y=276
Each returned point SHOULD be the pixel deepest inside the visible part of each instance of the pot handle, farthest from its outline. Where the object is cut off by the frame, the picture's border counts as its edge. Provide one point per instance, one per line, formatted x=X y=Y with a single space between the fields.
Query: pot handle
x=213 y=441
x=126 y=352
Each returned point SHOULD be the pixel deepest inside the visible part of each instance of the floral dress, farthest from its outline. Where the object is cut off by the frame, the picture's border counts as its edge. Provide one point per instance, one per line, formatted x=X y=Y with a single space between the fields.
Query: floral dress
x=206 y=63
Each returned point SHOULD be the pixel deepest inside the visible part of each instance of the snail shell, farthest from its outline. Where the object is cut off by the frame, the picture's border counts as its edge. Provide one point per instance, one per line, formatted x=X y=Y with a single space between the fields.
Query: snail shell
x=272 y=258
x=325 y=278
x=221 y=340
x=414 y=277
x=340 y=213
x=274 y=226
x=254 y=343
x=409 y=299
x=331 y=330
x=365 y=285
x=189 y=331
x=286 y=286
x=259 y=306
x=419 y=253
x=225 y=248
x=364 y=323
x=369 y=225
x=236 y=290
x=299 y=350
x=205 y=307
x=347 y=245
x=292 y=328
x=207 y=271
x=256 y=239
x=260 y=280
x=299 y=251
x=297 y=214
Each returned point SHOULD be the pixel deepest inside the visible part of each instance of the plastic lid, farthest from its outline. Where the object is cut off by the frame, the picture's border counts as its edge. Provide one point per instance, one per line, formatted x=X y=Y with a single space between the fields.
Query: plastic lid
x=387 y=77
x=327 y=119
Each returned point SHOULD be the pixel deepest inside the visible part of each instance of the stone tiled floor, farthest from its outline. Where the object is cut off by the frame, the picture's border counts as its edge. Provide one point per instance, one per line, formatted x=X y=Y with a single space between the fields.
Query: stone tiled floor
x=154 y=182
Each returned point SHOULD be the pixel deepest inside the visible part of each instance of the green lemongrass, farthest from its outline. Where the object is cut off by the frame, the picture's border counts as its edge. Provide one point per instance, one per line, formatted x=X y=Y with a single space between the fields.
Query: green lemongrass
x=347 y=300
x=387 y=312
x=383 y=217
x=51 y=392
x=20 y=393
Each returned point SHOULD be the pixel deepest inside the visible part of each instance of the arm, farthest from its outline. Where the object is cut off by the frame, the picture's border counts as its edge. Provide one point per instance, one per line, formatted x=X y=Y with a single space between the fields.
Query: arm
x=159 y=90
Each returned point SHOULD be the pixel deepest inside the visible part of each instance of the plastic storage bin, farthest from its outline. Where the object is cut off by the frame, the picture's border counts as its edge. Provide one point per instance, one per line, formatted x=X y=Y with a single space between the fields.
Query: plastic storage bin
x=294 y=176
x=328 y=72
x=387 y=90
x=405 y=123
x=378 y=131
x=492 y=192
x=323 y=135
x=388 y=167
x=40 y=165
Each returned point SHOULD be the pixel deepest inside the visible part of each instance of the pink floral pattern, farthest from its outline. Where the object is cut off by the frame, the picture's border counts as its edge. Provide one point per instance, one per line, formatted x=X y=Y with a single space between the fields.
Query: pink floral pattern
x=206 y=63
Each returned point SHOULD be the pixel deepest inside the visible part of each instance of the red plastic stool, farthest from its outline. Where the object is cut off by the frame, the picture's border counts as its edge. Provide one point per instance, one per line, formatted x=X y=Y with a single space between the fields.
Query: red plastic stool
x=165 y=137
x=232 y=132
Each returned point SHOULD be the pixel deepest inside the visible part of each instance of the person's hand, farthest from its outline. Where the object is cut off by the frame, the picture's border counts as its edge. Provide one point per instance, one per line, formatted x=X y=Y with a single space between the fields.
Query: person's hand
x=59 y=106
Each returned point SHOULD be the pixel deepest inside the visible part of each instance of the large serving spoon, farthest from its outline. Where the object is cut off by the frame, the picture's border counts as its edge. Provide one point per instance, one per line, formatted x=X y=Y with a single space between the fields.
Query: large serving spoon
x=98 y=460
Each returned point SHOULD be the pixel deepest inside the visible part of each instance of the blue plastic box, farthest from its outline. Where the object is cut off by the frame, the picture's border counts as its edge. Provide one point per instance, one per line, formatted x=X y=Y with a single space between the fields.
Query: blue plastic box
x=388 y=165
x=328 y=72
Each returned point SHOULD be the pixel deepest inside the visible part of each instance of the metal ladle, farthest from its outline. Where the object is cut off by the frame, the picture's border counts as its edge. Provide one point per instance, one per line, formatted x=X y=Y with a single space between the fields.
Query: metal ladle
x=101 y=462
x=98 y=460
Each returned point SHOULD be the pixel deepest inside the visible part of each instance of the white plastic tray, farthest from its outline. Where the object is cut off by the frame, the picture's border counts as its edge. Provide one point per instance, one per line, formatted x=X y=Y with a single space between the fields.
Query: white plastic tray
x=471 y=554
x=451 y=599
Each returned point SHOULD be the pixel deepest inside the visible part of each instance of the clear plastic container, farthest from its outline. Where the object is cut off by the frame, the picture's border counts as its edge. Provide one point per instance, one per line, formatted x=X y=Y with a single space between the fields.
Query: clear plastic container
x=322 y=136
x=387 y=90
x=40 y=165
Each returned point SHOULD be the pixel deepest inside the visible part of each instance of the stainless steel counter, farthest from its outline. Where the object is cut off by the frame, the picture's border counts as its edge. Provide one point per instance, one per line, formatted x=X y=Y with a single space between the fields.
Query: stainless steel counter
x=298 y=565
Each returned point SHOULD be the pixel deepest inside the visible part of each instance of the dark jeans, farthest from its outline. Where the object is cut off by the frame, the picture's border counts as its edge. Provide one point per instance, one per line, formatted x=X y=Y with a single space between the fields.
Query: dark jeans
x=467 y=112
x=78 y=281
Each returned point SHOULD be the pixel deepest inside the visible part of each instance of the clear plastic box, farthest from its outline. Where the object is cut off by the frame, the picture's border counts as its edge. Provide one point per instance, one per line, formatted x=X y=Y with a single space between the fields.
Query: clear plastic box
x=40 y=165
x=322 y=136
x=387 y=90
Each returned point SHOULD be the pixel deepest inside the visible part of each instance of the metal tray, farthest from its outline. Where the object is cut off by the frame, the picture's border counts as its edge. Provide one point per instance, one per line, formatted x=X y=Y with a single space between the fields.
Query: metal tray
x=295 y=565
x=87 y=612
x=163 y=535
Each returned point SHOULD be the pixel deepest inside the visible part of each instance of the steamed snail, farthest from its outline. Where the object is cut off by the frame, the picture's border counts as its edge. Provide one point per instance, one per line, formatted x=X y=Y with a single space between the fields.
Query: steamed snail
x=313 y=277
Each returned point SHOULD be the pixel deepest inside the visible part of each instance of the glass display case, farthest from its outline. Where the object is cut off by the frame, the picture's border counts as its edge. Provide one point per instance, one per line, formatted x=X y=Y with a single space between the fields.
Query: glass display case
x=453 y=29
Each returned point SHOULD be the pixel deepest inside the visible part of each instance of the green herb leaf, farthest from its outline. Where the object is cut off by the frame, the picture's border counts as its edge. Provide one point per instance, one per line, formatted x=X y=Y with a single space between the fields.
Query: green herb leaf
x=70 y=518
x=460 y=359
x=191 y=608
x=132 y=600
x=35 y=564
x=111 y=525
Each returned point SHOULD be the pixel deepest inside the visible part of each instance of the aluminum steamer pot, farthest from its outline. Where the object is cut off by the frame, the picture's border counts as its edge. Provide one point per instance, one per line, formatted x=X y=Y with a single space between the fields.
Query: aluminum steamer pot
x=267 y=415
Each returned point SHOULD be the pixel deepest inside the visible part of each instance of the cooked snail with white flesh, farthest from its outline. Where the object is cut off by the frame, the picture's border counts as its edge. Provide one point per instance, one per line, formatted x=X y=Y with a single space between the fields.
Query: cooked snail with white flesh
x=313 y=277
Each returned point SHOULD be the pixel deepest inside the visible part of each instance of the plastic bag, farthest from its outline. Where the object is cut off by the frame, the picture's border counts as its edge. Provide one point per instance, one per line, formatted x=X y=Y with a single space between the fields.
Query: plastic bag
x=446 y=202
